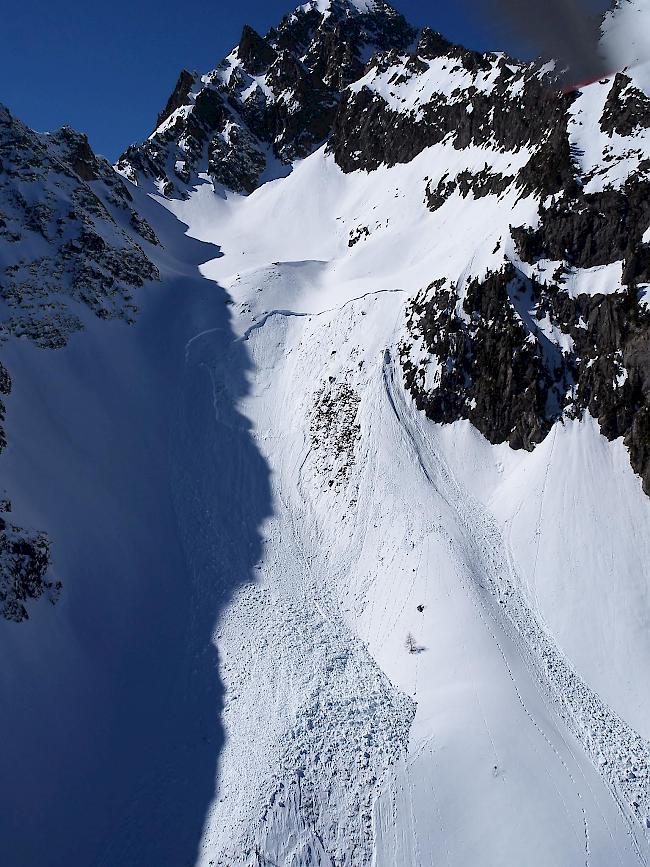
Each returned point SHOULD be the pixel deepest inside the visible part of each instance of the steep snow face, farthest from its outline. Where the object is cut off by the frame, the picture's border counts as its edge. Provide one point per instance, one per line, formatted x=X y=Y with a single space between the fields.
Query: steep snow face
x=626 y=34
x=609 y=132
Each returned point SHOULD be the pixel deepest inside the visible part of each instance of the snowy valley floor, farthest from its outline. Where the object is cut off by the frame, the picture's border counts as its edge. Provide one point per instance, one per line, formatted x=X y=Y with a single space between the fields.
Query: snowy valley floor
x=489 y=773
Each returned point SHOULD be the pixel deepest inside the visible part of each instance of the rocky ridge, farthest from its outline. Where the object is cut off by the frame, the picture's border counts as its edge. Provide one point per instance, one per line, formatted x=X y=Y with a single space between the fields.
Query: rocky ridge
x=272 y=101
x=516 y=348
x=70 y=240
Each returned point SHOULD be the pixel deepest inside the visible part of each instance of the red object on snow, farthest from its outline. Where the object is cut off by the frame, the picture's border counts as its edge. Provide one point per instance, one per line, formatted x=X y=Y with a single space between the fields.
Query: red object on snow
x=569 y=88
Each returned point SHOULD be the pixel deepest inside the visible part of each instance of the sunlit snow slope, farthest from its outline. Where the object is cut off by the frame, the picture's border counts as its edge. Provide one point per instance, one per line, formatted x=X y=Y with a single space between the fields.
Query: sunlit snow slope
x=527 y=680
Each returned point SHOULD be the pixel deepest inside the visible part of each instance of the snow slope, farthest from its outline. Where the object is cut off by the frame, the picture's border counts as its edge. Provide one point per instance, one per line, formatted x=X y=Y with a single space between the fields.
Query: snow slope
x=112 y=722
x=527 y=689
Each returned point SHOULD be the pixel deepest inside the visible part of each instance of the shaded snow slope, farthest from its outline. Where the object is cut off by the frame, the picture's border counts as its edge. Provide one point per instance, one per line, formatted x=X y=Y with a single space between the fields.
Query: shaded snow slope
x=111 y=725
x=71 y=245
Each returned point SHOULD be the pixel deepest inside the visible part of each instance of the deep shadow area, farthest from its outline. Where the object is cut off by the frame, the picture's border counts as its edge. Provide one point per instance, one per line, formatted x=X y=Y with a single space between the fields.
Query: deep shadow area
x=128 y=448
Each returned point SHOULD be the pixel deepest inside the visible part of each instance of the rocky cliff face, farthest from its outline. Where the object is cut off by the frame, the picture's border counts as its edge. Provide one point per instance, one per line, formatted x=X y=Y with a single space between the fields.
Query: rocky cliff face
x=68 y=235
x=272 y=101
x=70 y=240
x=406 y=103
x=516 y=347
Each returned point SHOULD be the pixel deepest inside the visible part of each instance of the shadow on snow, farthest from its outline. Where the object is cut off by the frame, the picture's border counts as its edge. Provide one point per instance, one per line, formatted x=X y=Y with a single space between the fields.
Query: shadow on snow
x=128 y=448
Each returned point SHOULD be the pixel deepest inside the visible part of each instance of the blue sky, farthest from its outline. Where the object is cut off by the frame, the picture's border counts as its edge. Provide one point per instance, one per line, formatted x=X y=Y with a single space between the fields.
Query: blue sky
x=107 y=69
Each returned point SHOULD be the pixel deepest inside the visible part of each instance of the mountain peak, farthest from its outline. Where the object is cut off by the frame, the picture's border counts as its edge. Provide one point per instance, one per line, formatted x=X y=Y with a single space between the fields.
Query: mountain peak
x=254 y=52
x=354 y=7
x=271 y=101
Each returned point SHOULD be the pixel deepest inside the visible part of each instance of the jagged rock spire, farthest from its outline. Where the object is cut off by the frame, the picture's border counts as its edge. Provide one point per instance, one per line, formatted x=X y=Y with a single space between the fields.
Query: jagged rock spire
x=273 y=98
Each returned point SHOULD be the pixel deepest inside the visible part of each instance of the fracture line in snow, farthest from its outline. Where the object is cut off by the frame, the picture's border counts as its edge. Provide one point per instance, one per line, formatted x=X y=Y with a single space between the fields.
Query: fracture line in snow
x=265 y=318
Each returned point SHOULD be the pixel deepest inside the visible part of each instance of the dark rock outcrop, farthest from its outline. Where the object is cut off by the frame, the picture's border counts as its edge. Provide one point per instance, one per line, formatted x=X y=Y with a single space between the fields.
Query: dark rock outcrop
x=178 y=97
x=24 y=564
x=368 y=132
x=276 y=96
x=255 y=53
x=487 y=368
x=71 y=245
x=479 y=184
x=627 y=108
x=496 y=365
x=5 y=389
x=24 y=555
x=68 y=235
x=585 y=230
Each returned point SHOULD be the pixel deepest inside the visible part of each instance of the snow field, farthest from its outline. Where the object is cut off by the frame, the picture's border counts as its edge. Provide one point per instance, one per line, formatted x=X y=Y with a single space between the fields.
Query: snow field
x=511 y=751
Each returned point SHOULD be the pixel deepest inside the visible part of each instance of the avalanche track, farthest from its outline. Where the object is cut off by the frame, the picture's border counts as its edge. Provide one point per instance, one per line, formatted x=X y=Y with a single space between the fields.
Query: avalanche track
x=424 y=668
x=483 y=742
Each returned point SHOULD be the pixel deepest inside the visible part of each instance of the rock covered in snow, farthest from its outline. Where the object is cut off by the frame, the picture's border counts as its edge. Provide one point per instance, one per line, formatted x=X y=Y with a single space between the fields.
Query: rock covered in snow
x=270 y=102
x=24 y=564
x=513 y=348
x=68 y=235
x=70 y=239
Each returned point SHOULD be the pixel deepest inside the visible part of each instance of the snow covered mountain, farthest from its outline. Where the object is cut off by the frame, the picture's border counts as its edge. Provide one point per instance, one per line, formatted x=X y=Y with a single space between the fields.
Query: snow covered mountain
x=271 y=101
x=348 y=521
x=63 y=247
